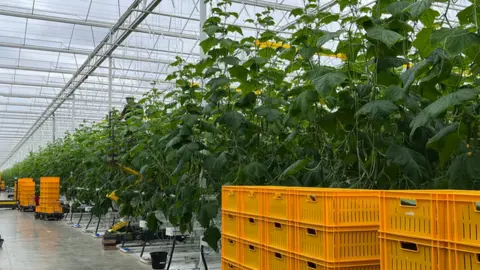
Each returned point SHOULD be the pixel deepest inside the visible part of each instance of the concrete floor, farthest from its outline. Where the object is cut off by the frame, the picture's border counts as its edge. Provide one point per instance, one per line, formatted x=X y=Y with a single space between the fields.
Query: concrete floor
x=50 y=245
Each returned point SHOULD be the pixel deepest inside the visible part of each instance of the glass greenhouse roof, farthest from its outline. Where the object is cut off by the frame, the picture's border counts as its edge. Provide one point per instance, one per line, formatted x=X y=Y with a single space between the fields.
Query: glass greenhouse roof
x=54 y=58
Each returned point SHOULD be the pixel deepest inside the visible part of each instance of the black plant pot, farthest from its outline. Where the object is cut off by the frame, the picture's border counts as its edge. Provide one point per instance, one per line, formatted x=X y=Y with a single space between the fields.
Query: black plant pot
x=159 y=259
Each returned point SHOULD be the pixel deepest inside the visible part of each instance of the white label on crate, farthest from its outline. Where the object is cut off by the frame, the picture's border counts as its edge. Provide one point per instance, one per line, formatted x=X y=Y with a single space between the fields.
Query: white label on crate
x=410 y=214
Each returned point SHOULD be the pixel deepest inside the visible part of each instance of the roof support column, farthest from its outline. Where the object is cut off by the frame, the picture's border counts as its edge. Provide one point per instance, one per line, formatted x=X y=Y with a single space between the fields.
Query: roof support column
x=203 y=18
x=53 y=127
x=73 y=112
x=110 y=84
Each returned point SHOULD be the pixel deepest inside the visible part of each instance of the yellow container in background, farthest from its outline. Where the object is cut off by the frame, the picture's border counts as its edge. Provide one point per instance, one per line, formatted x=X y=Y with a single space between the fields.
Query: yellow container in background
x=49 y=196
x=26 y=192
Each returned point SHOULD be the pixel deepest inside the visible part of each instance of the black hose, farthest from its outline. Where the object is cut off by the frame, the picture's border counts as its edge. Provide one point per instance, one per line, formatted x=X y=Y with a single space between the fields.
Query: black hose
x=171 y=253
x=88 y=224
x=98 y=224
x=202 y=254
x=80 y=219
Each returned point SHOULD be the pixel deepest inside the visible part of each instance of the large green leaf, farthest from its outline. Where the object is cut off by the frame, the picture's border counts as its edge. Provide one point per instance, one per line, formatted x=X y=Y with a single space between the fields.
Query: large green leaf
x=328 y=36
x=387 y=37
x=412 y=163
x=239 y=72
x=417 y=8
x=271 y=114
x=190 y=119
x=394 y=93
x=304 y=101
x=384 y=63
x=255 y=172
x=216 y=83
x=409 y=76
x=231 y=119
x=464 y=171
x=467 y=15
x=212 y=235
x=208 y=211
x=422 y=42
x=376 y=109
x=208 y=43
x=456 y=40
x=445 y=142
x=441 y=105
x=327 y=83
x=397 y=7
x=428 y=17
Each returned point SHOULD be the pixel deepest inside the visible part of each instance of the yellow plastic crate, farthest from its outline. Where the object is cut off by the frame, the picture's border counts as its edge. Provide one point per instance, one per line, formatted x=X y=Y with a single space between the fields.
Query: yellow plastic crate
x=231 y=249
x=464 y=256
x=463 y=213
x=278 y=260
x=26 y=192
x=251 y=228
x=245 y=227
x=279 y=234
x=278 y=203
x=404 y=253
x=274 y=202
x=230 y=224
x=229 y=265
x=243 y=253
x=251 y=255
x=419 y=214
x=337 y=207
x=303 y=263
x=230 y=199
x=337 y=244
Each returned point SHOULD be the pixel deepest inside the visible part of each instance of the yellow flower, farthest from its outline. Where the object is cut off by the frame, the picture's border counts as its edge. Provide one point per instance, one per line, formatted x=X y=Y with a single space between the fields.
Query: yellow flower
x=258 y=92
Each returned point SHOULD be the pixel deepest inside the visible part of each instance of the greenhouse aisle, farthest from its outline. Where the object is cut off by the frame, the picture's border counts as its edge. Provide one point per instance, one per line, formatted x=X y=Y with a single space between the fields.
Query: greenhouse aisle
x=44 y=245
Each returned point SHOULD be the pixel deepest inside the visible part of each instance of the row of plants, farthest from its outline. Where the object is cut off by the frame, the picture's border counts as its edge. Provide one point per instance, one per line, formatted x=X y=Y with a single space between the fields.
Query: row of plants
x=400 y=111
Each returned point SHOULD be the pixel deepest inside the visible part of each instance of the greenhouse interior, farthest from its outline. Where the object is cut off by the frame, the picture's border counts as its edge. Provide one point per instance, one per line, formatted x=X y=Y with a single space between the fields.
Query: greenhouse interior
x=240 y=134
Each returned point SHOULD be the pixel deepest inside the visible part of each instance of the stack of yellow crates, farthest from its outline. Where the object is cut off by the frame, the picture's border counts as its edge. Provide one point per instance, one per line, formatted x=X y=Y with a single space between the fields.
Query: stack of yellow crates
x=26 y=193
x=430 y=230
x=283 y=228
x=2 y=185
x=49 y=196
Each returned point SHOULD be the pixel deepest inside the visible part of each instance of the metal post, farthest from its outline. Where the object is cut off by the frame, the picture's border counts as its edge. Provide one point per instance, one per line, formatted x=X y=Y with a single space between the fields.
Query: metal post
x=53 y=126
x=202 y=183
x=203 y=18
x=73 y=112
x=110 y=84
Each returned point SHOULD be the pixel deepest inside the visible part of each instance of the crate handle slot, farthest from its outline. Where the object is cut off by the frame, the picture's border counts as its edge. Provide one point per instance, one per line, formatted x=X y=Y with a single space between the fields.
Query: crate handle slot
x=311 y=231
x=251 y=194
x=251 y=247
x=278 y=196
x=312 y=265
x=230 y=216
x=251 y=220
x=478 y=258
x=230 y=241
x=477 y=207
x=230 y=266
x=231 y=193
x=408 y=202
x=277 y=225
x=278 y=256
x=409 y=246
x=312 y=198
